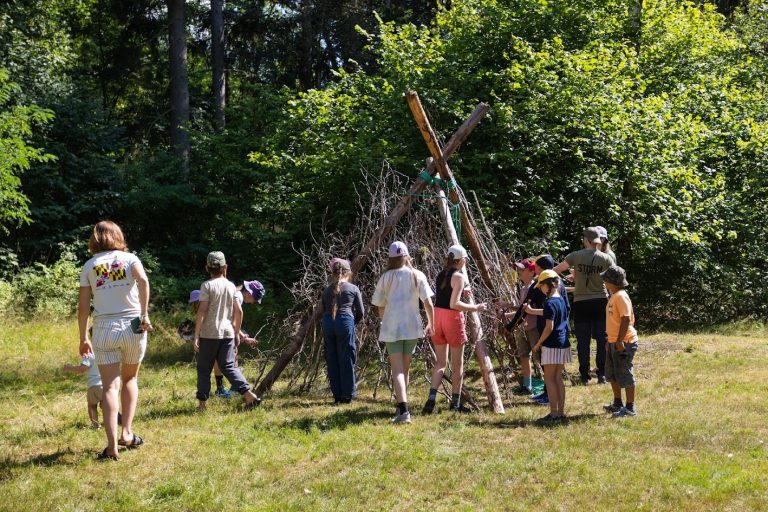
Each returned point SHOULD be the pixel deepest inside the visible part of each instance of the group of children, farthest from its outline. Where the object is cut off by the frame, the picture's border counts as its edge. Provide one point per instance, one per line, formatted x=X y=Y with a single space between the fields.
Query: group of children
x=601 y=310
x=541 y=325
x=398 y=296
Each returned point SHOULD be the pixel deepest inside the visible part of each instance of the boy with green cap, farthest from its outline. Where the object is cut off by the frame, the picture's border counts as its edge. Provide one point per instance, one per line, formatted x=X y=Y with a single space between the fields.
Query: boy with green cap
x=622 y=342
x=217 y=326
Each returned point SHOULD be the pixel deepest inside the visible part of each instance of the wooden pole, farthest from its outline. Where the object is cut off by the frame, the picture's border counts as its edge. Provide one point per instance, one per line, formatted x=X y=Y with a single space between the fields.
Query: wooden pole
x=361 y=260
x=445 y=173
x=486 y=366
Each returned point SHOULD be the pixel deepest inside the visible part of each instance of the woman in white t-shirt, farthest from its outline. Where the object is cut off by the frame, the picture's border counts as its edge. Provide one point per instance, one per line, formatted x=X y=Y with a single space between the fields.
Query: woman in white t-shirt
x=397 y=297
x=116 y=282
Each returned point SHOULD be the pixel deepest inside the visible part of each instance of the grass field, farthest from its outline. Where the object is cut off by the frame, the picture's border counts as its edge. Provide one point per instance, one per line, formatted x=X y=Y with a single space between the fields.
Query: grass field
x=698 y=443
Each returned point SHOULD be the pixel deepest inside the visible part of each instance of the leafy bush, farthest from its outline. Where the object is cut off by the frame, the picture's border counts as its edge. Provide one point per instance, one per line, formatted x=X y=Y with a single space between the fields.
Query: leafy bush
x=46 y=290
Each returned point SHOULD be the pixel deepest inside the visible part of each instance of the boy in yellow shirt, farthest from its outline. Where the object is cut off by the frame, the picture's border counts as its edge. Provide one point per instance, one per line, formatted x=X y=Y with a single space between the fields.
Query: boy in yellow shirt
x=622 y=342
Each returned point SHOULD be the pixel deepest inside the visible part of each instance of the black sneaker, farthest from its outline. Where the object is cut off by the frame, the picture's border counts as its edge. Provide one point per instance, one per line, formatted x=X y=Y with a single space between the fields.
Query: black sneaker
x=601 y=379
x=521 y=390
x=429 y=407
x=462 y=409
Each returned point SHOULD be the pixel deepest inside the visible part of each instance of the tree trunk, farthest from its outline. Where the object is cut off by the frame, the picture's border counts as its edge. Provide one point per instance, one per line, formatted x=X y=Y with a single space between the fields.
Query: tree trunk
x=307 y=46
x=177 y=50
x=217 y=61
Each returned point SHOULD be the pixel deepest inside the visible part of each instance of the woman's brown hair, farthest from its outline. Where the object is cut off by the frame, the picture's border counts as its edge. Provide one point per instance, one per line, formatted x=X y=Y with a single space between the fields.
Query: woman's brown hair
x=337 y=272
x=106 y=236
x=400 y=262
x=447 y=266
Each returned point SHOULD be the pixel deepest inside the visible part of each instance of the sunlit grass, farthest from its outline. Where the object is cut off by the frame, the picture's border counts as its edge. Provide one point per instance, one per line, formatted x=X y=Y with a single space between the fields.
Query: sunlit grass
x=697 y=444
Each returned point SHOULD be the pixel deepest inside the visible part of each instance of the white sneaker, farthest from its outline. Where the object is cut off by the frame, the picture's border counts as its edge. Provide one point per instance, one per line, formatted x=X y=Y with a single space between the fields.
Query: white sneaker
x=402 y=418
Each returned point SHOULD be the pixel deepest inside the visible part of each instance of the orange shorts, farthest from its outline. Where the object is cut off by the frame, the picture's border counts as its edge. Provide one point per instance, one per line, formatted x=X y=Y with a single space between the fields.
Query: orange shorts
x=450 y=328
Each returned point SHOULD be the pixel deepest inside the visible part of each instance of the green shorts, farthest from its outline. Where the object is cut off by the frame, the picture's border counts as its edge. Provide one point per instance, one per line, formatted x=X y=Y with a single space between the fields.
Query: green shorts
x=401 y=347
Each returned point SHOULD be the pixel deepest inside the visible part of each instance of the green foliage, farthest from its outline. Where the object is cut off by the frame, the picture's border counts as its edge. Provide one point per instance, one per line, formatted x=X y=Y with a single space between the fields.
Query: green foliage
x=656 y=131
x=44 y=291
x=16 y=155
x=663 y=147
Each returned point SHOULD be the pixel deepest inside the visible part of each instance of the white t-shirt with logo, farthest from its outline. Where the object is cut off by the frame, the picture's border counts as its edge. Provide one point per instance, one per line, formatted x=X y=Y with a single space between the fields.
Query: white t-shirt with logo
x=110 y=275
x=399 y=291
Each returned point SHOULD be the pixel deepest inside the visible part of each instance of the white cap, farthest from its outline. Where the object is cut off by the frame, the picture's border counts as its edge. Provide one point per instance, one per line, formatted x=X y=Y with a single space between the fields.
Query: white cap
x=398 y=249
x=457 y=252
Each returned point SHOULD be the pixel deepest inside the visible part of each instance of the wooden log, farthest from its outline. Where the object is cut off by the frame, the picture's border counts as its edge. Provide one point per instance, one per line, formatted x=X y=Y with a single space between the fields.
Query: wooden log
x=476 y=333
x=445 y=173
x=297 y=341
x=361 y=260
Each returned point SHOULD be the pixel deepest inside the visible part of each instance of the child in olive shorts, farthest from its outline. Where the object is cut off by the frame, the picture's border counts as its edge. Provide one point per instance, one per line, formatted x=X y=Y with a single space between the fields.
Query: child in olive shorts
x=622 y=342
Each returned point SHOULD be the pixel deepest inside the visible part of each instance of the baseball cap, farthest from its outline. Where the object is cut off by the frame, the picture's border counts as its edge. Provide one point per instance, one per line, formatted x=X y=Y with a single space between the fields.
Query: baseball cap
x=615 y=275
x=398 y=249
x=527 y=263
x=592 y=235
x=602 y=232
x=547 y=274
x=216 y=259
x=545 y=262
x=256 y=289
x=194 y=296
x=457 y=252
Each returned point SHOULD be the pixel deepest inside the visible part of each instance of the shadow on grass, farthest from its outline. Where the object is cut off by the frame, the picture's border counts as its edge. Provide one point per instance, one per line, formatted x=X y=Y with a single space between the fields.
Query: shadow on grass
x=65 y=457
x=339 y=420
x=169 y=409
x=315 y=401
x=525 y=423
x=44 y=381
x=161 y=356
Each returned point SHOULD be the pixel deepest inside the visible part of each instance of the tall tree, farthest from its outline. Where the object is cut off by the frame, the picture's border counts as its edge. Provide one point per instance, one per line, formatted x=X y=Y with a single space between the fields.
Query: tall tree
x=217 y=58
x=177 y=48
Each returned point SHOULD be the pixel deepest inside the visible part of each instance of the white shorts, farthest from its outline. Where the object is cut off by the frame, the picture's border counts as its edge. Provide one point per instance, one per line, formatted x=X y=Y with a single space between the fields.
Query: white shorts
x=115 y=342
x=555 y=355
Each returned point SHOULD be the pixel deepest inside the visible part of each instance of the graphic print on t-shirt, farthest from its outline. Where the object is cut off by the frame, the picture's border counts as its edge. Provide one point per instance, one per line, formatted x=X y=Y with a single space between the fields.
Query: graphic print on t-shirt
x=105 y=272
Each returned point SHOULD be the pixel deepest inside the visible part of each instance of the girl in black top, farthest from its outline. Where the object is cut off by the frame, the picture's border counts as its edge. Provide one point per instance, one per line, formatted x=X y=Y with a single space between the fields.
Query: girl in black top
x=450 y=326
x=342 y=308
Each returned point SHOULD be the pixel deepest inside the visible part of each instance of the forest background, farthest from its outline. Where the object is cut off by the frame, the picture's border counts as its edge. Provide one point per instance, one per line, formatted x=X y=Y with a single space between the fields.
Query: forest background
x=248 y=132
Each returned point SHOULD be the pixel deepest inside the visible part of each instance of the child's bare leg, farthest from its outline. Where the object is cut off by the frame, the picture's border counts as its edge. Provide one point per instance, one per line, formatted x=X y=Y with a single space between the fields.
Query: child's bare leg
x=552 y=389
x=216 y=369
x=201 y=405
x=560 y=390
x=93 y=414
x=630 y=394
x=616 y=390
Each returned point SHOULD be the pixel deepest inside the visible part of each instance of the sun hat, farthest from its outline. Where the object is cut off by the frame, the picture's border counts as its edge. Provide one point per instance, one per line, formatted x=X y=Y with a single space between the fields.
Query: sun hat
x=216 y=259
x=615 y=275
x=527 y=263
x=256 y=289
x=547 y=274
x=457 y=252
x=398 y=249
x=602 y=232
x=592 y=235
x=545 y=262
x=194 y=296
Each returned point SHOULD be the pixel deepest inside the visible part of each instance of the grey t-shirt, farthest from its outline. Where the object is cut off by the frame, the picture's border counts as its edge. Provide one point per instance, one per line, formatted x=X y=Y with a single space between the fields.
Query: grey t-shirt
x=587 y=265
x=349 y=302
x=220 y=295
